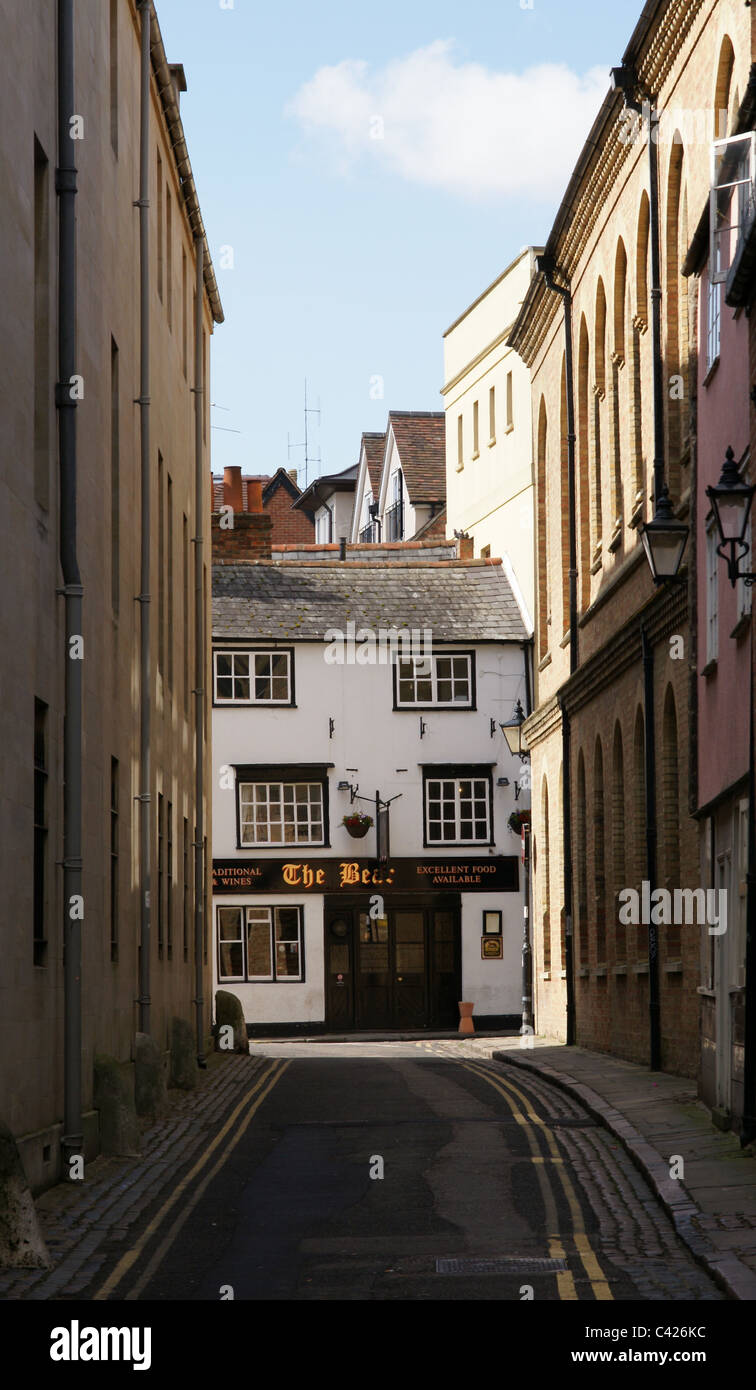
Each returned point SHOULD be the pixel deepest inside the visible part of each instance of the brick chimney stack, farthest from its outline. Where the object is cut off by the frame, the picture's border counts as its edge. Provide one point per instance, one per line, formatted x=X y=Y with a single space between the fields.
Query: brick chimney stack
x=254 y=495
x=249 y=538
x=465 y=547
x=232 y=488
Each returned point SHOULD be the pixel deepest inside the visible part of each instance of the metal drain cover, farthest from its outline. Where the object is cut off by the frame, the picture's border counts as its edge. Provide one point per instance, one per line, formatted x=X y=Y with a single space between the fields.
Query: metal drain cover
x=504 y=1264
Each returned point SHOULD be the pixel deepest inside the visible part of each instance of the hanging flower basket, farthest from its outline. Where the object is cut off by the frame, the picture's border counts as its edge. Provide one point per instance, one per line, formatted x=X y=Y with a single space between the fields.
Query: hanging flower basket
x=517 y=820
x=357 y=824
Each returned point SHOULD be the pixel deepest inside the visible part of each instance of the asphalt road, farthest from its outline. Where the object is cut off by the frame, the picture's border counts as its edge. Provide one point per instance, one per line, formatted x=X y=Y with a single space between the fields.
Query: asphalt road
x=494 y=1186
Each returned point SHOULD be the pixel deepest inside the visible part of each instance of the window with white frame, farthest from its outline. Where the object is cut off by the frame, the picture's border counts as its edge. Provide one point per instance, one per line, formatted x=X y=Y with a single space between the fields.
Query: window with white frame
x=712 y=594
x=713 y=322
x=323 y=527
x=253 y=678
x=262 y=944
x=281 y=813
x=732 y=203
x=443 y=678
x=457 y=809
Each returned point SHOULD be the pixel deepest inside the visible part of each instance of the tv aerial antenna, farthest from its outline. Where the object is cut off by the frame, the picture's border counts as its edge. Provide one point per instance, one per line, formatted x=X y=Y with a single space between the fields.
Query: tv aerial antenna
x=305 y=443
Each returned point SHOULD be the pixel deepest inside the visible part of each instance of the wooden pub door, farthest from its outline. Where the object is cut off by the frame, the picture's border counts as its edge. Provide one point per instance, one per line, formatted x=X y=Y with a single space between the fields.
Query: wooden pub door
x=396 y=972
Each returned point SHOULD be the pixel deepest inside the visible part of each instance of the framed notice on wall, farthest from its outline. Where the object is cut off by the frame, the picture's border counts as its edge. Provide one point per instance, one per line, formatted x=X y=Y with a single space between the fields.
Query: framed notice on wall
x=491 y=947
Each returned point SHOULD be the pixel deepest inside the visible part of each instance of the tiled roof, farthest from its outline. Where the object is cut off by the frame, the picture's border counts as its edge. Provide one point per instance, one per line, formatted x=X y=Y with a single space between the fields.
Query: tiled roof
x=299 y=601
x=420 y=439
x=375 y=445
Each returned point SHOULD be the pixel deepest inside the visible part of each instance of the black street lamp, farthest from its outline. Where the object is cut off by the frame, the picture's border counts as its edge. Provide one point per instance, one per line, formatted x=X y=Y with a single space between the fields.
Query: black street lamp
x=512 y=731
x=731 y=502
x=664 y=540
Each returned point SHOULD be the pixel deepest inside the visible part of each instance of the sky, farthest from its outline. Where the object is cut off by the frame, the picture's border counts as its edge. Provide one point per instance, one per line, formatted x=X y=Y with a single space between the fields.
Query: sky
x=365 y=170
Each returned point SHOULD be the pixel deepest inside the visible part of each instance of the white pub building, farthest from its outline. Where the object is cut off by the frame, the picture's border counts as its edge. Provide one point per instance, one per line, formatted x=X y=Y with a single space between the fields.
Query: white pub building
x=365 y=875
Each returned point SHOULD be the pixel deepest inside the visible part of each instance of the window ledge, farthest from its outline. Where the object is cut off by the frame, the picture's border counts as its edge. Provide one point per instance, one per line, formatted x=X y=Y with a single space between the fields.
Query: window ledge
x=673 y=967
x=711 y=372
x=476 y=454
x=619 y=970
x=705 y=992
x=641 y=967
x=492 y=441
x=545 y=974
x=563 y=974
x=509 y=429
x=460 y=467
x=600 y=972
x=546 y=661
x=710 y=669
x=741 y=627
x=583 y=972
x=565 y=642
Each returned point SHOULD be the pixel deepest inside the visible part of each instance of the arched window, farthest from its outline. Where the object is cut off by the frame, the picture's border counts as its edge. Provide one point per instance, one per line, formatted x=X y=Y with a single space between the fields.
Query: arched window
x=639 y=812
x=617 y=403
x=581 y=856
x=584 y=465
x=599 y=858
x=619 y=869
x=677 y=318
x=639 y=327
x=542 y=539
x=545 y=876
x=565 y=502
x=599 y=395
x=560 y=862
x=722 y=123
x=669 y=876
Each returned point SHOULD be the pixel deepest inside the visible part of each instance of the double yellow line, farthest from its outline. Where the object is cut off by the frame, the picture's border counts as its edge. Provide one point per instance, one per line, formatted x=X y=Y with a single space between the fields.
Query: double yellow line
x=253 y=1100
x=533 y=1127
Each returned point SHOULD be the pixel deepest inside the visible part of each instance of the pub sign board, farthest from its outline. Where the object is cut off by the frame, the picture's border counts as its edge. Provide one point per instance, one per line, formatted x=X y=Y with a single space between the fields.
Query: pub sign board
x=492 y=874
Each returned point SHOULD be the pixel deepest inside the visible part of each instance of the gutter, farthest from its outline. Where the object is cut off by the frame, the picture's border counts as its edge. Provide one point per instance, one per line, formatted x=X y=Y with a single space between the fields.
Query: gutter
x=72 y=1139
x=167 y=93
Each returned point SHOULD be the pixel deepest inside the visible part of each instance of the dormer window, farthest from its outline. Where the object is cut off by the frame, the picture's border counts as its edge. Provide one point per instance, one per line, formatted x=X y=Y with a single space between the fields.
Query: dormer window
x=395 y=512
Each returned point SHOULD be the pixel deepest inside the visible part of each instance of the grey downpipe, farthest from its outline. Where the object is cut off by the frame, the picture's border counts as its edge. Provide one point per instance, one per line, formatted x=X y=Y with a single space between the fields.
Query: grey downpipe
x=569 y=953
x=65 y=186
x=654 y=1008
x=144 y=797
x=199 y=660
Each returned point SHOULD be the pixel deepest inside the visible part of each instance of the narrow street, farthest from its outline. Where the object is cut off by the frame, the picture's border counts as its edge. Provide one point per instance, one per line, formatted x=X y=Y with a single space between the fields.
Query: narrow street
x=495 y=1186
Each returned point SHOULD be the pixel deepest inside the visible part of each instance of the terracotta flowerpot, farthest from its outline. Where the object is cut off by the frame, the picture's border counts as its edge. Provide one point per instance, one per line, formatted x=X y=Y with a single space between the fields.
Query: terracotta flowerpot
x=466 y=1025
x=358 y=832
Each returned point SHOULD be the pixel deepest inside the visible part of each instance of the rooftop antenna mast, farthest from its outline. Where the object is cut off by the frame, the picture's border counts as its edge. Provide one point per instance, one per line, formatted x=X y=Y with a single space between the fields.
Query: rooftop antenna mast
x=308 y=410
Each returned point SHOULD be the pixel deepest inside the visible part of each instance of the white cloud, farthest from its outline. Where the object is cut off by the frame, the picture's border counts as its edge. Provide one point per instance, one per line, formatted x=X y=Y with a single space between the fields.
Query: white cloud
x=457 y=126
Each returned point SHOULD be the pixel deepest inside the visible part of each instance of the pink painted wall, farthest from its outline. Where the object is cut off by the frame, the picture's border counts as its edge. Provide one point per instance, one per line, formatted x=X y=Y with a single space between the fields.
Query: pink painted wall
x=723 y=419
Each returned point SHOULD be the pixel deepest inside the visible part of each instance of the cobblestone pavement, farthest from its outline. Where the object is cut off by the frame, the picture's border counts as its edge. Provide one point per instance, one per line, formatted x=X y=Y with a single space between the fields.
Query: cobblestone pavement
x=82 y=1223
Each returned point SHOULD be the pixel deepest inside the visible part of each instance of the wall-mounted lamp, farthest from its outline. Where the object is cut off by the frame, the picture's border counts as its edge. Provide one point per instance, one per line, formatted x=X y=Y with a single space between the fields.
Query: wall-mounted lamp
x=731 y=502
x=512 y=731
x=664 y=540
x=423 y=727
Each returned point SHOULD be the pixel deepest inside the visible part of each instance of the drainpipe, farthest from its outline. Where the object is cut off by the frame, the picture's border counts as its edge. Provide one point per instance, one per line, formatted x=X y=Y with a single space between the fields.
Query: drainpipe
x=748 y=1128
x=653 y=935
x=144 y=798
x=199 y=677
x=547 y=266
x=72 y=591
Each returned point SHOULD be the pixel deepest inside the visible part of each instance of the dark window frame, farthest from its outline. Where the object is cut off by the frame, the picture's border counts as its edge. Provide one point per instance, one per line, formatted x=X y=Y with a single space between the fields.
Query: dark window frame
x=231 y=649
x=274 y=979
x=412 y=709
x=458 y=771
x=267 y=773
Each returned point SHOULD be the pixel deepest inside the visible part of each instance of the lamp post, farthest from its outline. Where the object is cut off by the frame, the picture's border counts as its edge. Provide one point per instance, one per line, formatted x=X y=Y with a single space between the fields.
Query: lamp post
x=731 y=501
x=518 y=747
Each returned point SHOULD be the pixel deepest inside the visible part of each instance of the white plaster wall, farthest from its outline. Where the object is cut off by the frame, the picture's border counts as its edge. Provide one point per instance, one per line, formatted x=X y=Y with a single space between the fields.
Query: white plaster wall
x=493 y=986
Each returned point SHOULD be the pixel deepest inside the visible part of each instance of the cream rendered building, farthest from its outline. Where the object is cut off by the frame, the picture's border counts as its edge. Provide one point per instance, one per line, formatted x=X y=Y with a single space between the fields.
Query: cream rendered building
x=489 y=453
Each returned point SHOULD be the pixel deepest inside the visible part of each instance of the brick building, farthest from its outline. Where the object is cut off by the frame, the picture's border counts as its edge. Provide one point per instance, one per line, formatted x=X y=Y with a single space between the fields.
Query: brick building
x=278 y=493
x=613 y=734
x=138 y=811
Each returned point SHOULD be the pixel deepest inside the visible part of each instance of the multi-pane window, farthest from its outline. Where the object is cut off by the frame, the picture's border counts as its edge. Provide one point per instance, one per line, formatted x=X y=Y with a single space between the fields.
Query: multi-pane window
x=253 y=678
x=457 y=810
x=435 y=680
x=492 y=415
x=323 y=526
x=260 y=943
x=281 y=813
x=476 y=431
x=712 y=595
x=713 y=324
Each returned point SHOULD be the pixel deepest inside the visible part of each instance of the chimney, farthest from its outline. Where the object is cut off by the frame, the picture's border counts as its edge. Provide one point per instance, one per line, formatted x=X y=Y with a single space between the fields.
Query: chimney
x=232 y=488
x=178 y=80
x=293 y=474
x=465 y=546
x=254 y=495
